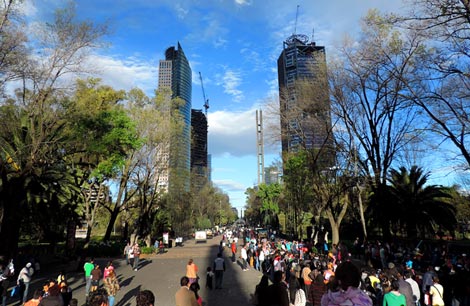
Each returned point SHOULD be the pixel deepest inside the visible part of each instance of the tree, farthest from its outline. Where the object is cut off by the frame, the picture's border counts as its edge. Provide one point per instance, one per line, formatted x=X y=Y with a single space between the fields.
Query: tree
x=253 y=206
x=440 y=88
x=412 y=207
x=105 y=136
x=13 y=50
x=33 y=143
x=269 y=196
x=298 y=185
x=369 y=98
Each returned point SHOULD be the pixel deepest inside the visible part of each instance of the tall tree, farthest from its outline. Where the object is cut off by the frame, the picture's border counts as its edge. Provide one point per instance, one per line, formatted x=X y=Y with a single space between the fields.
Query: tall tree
x=368 y=97
x=441 y=87
x=33 y=144
x=269 y=196
x=298 y=188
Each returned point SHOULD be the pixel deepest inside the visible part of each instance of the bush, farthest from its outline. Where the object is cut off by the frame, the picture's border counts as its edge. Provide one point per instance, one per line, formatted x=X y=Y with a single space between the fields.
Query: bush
x=147 y=250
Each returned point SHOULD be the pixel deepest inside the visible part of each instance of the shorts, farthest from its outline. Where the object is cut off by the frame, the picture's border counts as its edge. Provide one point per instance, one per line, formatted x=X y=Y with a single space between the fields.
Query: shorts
x=95 y=282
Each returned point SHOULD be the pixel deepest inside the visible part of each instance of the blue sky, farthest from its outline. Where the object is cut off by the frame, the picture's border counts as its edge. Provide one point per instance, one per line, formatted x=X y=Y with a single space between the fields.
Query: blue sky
x=233 y=43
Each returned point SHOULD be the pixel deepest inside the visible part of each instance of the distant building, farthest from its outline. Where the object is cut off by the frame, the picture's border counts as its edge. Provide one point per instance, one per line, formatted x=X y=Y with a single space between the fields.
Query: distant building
x=272 y=175
x=303 y=95
x=175 y=74
x=199 y=164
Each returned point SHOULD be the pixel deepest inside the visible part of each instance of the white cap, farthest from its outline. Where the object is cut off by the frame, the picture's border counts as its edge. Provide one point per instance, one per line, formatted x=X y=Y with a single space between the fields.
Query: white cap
x=28 y=265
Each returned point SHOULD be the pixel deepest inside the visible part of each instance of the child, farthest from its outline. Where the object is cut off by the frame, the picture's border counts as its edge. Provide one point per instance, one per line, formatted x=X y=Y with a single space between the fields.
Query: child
x=209 y=277
x=194 y=287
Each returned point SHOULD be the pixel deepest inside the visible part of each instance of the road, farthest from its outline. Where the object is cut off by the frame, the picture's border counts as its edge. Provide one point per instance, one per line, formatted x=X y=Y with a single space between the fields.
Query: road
x=161 y=274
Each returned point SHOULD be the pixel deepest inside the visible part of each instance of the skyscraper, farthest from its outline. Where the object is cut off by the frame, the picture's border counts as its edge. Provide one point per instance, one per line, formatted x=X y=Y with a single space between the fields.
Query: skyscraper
x=199 y=166
x=303 y=95
x=175 y=74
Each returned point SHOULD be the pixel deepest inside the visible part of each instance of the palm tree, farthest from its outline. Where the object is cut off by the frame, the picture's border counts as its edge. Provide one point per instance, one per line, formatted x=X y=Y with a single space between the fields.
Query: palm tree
x=409 y=206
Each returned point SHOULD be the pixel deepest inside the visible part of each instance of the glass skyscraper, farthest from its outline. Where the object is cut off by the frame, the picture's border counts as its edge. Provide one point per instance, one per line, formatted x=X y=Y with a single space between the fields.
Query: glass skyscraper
x=303 y=96
x=175 y=73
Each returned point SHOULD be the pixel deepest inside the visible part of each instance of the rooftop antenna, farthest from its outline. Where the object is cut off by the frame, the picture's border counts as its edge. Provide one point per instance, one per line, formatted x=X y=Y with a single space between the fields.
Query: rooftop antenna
x=313 y=34
x=296 y=17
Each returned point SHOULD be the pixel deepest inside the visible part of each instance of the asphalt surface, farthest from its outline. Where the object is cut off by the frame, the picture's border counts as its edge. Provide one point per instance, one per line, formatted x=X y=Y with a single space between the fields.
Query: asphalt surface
x=161 y=274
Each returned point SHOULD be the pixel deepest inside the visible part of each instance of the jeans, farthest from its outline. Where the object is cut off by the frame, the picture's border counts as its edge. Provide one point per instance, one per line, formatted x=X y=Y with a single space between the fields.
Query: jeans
x=4 y=300
x=87 y=284
x=233 y=257
x=110 y=300
x=25 y=293
x=219 y=276
x=136 y=262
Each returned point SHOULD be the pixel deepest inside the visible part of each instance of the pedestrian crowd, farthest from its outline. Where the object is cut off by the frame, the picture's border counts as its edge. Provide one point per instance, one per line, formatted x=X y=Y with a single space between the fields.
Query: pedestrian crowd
x=293 y=273
x=377 y=273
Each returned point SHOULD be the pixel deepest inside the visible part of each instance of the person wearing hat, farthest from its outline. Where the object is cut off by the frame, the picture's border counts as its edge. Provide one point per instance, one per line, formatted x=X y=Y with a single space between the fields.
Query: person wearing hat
x=24 y=278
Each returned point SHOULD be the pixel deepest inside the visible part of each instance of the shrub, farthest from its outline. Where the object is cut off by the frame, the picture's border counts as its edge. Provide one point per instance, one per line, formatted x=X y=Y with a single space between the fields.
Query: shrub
x=147 y=250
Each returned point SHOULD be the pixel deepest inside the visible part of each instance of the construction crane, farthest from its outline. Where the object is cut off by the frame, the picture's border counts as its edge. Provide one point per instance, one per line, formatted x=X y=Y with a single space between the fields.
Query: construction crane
x=206 y=101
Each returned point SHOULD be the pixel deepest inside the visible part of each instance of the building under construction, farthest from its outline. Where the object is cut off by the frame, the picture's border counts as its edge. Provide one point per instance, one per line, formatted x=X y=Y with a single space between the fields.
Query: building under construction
x=304 y=98
x=199 y=164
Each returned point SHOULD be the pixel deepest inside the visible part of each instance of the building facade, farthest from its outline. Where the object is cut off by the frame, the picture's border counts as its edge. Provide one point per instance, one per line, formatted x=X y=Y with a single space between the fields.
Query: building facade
x=199 y=164
x=175 y=74
x=303 y=95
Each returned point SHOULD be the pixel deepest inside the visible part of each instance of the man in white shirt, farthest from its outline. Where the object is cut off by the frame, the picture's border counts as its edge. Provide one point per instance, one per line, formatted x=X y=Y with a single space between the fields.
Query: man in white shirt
x=414 y=287
x=244 y=256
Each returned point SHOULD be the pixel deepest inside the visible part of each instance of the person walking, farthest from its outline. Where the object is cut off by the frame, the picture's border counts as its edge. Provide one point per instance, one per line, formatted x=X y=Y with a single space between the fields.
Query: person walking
x=278 y=292
x=37 y=296
x=95 y=278
x=109 y=267
x=65 y=292
x=54 y=298
x=136 y=250
x=185 y=297
x=219 y=269
x=233 y=246
x=244 y=257
x=126 y=252
x=194 y=287
x=394 y=297
x=191 y=271
x=24 y=278
x=317 y=287
x=437 y=292
x=88 y=267
x=414 y=287
x=111 y=285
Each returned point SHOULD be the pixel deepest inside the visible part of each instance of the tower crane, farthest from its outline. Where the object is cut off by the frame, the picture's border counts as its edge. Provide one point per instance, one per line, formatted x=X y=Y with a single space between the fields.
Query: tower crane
x=206 y=101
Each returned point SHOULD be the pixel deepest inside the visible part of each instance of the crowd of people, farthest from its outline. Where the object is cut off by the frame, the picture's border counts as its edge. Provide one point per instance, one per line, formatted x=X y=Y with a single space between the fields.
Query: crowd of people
x=293 y=273
x=384 y=273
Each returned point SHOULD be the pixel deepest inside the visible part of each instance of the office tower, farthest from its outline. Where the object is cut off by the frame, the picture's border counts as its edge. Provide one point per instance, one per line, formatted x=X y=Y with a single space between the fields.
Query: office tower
x=198 y=149
x=272 y=175
x=175 y=74
x=303 y=96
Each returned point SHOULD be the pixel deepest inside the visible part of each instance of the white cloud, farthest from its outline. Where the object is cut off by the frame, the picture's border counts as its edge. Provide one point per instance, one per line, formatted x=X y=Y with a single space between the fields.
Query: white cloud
x=230 y=185
x=181 y=12
x=234 y=134
x=243 y=2
x=231 y=81
x=219 y=42
x=126 y=73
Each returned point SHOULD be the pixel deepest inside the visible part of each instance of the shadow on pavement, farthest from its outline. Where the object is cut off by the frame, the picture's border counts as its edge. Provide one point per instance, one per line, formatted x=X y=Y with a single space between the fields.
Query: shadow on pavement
x=125 y=300
x=236 y=291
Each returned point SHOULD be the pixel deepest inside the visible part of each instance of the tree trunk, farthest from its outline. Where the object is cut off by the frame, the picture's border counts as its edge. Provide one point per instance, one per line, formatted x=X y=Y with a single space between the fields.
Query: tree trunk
x=12 y=204
x=120 y=201
x=361 y=211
